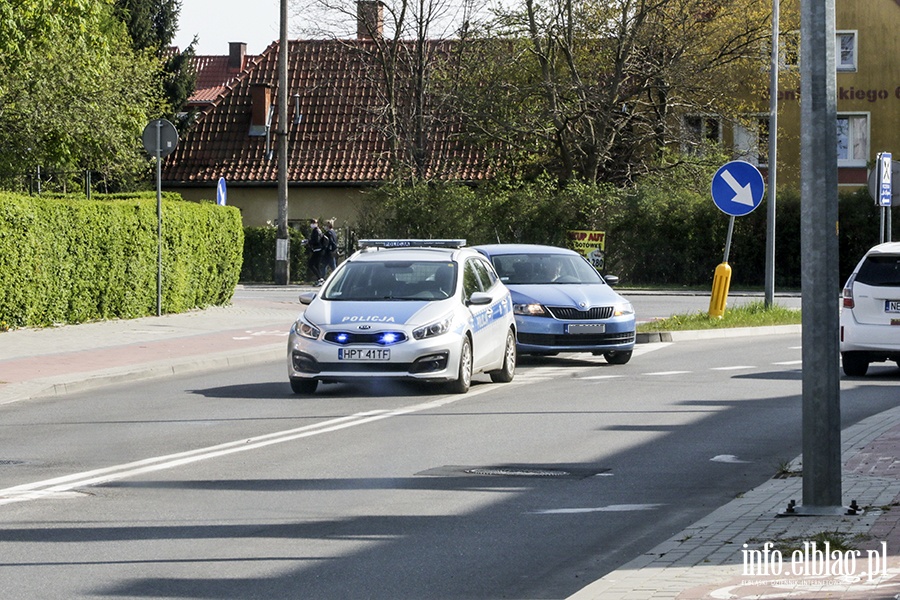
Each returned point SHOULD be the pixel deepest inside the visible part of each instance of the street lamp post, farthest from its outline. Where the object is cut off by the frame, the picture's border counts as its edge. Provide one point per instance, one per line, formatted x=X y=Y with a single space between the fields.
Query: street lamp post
x=282 y=251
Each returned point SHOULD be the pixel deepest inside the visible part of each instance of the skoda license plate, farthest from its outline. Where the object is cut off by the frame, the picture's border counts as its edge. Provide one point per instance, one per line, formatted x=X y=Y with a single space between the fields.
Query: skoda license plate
x=892 y=306
x=364 y=354
x=576 y=328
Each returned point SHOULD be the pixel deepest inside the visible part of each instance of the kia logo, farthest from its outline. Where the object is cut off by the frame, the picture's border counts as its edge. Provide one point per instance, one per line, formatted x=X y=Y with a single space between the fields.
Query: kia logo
x=365 y=327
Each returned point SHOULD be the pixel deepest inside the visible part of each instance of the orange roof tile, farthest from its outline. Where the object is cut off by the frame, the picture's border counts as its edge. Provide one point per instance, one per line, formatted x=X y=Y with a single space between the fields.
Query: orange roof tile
x=337 y=139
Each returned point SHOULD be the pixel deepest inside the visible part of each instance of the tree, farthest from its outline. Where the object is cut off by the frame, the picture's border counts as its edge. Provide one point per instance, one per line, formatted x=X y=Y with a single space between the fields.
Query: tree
x=402 y=45
x=73 y=95
x=590 y=89
x=152 y=25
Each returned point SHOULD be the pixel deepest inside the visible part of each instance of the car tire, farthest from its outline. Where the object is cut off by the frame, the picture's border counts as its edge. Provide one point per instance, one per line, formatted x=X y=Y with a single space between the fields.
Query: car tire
x=617 y=357
x=854 y=364
x=304 y=387
x=464 y=373
x=508 y=371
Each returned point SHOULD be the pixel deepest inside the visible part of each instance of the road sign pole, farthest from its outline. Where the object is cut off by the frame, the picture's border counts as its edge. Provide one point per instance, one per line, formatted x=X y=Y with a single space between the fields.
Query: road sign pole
x=728 y=238
x=159 y=126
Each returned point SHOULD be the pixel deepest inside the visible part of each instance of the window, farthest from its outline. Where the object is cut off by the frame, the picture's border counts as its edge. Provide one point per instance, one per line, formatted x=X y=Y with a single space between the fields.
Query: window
x=845 y=50
x=789 y=54
x=751 y=140
x=852 y=140
x=700 y=130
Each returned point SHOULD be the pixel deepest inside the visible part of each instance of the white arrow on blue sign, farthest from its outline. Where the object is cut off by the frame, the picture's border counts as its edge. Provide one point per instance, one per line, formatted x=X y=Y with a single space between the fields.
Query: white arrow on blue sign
x=738 y=188
x=221 y=192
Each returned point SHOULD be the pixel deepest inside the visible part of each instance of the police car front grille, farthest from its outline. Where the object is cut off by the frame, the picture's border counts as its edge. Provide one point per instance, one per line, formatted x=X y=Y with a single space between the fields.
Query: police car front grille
x=576 y=340
x=350 y=337
x=567 y=313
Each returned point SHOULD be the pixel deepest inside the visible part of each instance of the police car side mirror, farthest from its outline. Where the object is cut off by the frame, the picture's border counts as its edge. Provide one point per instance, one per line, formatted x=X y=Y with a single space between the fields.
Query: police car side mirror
x=611 y=279
x=479 y=299
x=307 y=297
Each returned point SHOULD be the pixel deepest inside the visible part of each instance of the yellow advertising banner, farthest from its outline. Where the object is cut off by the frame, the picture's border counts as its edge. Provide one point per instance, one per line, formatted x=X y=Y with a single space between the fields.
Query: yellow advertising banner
x=592 y=244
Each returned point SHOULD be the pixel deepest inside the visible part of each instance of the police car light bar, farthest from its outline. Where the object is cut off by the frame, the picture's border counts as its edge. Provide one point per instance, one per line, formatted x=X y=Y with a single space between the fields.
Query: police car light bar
x=409 y=243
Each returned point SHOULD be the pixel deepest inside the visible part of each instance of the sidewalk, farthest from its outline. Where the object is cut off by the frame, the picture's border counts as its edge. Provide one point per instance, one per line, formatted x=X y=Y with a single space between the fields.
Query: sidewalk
x=705 y=561
x=70 y=358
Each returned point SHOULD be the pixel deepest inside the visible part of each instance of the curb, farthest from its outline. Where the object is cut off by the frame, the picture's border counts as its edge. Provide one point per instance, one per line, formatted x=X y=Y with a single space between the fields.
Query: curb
x=651 y=337
x=68 y=384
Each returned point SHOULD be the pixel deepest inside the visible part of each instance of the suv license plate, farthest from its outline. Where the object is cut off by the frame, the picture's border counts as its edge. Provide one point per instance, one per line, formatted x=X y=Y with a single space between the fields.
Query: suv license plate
x=364 y=354
x=892 y=306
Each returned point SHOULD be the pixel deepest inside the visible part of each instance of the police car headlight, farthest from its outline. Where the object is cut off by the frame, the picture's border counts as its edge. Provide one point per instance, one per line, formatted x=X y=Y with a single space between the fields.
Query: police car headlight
x=304 y=328
x=622 y=309
x=432 y=329
x=530 y=310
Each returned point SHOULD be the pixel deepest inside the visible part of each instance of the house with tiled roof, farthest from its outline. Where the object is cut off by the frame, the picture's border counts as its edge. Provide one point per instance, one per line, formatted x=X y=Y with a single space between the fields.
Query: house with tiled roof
x=337 y=143
x=215 y=73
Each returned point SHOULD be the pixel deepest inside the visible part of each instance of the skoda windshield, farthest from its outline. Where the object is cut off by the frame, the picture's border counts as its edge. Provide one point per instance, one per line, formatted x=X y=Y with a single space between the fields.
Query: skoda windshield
x=369 y=280
x=518 y=269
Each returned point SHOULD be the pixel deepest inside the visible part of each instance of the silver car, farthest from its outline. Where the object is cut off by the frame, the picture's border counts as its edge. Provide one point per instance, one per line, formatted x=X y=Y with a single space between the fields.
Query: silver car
x=870 y=311
x=405 y=309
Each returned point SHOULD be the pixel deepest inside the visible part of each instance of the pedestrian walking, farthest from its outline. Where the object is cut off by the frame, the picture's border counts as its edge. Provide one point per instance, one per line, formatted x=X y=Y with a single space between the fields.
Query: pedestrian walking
x=314 y=245
x=329 y=249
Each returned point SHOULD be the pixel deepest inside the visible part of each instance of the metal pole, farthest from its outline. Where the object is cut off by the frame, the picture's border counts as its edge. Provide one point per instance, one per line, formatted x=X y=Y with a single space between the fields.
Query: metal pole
x=158 y=218
x=772 y=160
x=728 y=239
x=283 y=254
x=819 y=257
x=881 y=227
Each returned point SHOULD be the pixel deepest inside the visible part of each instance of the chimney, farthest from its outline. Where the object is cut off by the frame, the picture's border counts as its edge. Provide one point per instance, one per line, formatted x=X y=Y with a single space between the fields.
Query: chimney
x=369 y=19
x=261 y=108
x=237 y=51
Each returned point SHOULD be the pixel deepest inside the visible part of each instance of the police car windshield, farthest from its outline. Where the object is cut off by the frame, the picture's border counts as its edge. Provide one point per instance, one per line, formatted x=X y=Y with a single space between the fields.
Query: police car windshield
x=544 y=268
x=393 y=280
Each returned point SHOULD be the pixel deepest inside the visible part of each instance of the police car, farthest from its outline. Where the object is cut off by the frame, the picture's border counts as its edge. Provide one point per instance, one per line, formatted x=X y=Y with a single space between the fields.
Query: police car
x=405 y=309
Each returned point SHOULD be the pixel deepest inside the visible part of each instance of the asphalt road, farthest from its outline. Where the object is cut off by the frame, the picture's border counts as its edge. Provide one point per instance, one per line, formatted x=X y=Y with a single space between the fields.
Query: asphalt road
x=226 y=485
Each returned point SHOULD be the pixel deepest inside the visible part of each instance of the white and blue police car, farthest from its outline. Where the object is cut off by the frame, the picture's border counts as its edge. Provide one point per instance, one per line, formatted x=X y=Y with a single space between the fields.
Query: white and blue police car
x=405 y=309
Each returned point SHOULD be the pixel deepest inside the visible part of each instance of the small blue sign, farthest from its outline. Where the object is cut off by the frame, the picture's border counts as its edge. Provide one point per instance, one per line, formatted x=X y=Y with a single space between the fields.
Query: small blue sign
x=738 y=188
x=221 y=192
x=885 y=190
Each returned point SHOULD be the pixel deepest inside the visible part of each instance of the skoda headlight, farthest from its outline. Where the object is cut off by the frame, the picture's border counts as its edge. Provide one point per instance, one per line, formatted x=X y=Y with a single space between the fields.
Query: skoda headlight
x=530 y=310
x=622 y=309
x=432 y=329
x=304 y=328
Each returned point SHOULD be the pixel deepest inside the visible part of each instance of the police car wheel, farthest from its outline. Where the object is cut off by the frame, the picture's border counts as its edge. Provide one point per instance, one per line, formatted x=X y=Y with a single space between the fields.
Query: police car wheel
x=464 y=374
x=508 y=371
x=304 y=386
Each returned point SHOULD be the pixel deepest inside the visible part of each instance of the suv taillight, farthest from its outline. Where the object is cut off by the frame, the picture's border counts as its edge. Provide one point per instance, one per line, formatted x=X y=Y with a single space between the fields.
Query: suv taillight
x=847 y=294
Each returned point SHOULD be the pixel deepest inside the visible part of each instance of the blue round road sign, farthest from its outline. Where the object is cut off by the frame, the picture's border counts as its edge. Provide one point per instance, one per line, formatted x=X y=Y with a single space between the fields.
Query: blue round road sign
x=738 y=188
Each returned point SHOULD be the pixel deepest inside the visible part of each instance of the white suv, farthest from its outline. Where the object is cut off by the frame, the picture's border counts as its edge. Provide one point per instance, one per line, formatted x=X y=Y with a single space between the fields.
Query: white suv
x=870 y=312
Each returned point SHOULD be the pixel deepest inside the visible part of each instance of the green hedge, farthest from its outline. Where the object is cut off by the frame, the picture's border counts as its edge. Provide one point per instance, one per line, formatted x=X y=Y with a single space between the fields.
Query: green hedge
x=68 y=260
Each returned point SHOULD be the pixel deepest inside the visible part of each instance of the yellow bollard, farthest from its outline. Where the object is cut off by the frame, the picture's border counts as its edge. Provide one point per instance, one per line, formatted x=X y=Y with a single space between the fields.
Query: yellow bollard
x=721 y=283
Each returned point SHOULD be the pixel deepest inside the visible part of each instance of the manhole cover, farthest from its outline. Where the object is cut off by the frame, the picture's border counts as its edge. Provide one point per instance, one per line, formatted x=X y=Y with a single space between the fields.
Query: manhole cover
x=517 y=472
x=546 y=471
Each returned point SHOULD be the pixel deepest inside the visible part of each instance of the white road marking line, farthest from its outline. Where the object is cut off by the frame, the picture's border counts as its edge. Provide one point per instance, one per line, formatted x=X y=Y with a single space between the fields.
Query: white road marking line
x=788 y=363
x=734 y=368
x=59 y=485
x=602 y=377
x=728 y=458
x=609 y=508
x=661 y=373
